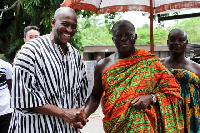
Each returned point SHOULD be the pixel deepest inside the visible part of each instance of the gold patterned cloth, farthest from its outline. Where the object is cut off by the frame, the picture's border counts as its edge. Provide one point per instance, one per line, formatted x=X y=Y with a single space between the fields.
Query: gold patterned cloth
x=190 y=91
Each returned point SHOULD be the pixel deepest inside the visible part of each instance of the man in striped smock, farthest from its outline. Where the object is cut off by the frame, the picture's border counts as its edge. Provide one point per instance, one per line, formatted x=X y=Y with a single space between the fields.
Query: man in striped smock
x=49 y=80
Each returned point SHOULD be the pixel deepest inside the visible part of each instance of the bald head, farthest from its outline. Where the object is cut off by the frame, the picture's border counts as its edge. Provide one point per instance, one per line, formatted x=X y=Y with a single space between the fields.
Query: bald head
x=177 y=31
x=177 y=42
x=64 y=10
x=123 y=23
x=64 y=25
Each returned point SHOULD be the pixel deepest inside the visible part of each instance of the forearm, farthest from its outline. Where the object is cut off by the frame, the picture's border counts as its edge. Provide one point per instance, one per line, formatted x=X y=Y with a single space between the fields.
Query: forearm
x=91 y=106
x=51 y=110
x=68 y=115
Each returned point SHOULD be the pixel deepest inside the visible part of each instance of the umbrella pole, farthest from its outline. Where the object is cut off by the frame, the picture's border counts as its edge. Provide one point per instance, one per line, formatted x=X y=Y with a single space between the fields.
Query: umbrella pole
x=151 y=28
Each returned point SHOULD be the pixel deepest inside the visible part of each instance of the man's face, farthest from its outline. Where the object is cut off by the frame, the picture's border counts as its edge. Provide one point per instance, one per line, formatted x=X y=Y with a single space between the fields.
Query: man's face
x=64 y=27
x=124 y=38
x=177 y=42
x=31 y=34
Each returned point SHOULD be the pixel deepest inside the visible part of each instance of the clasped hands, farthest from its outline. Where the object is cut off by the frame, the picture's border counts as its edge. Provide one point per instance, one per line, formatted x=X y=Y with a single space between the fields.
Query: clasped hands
x=76 y=117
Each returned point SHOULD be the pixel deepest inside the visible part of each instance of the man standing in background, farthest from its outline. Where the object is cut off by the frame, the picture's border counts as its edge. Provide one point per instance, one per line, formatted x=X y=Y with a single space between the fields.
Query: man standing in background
x=187 y=74
x=31 y=32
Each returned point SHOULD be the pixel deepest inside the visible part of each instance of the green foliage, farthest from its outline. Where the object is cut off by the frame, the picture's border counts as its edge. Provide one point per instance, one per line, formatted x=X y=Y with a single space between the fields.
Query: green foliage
x=110 y=19
x=27 y=12
x=164 y=15
x=92 y=29
x=96 y=30
x=191 y=26
x=14 y=47
x=143 y=35
x=96 y=36
x=39 y=13
x=160 y=35
x=76 y=41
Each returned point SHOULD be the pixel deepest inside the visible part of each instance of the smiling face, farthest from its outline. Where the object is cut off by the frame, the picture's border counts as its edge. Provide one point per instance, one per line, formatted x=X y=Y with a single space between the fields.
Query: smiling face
x=177 y=41
x=124 y=37
x=64 y=25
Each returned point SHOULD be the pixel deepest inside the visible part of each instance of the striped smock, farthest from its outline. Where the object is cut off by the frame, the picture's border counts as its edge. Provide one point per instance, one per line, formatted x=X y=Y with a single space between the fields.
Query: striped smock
x=44 y=75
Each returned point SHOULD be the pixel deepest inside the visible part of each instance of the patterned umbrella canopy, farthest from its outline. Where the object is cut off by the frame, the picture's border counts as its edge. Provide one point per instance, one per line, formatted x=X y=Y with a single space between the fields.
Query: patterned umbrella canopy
x=151 y=6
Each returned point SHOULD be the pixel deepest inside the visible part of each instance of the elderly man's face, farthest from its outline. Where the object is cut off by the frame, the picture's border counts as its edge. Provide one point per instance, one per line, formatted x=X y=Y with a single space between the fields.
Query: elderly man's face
x=124 y=38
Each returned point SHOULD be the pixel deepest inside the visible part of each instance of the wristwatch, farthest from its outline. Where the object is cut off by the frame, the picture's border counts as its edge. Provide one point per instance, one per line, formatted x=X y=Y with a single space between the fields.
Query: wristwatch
x=154 y=98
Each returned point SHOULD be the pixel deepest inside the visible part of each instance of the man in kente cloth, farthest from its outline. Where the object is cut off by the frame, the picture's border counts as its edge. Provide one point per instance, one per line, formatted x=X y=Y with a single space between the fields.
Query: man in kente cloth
x=138 y=93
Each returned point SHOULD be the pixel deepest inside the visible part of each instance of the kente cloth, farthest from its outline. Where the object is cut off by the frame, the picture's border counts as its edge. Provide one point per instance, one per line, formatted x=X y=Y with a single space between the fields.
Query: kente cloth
x=141 y=74
x=190 y=92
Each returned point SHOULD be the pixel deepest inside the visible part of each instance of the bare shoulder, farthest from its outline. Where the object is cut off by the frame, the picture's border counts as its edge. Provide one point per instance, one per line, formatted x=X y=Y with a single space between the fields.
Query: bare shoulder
x=196 y=67
x=194 y=64
x=163 y=60
x=103 y=64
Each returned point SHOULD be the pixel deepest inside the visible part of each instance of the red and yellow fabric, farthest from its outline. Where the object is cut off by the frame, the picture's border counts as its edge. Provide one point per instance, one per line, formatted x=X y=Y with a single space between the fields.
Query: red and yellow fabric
x=141 y=74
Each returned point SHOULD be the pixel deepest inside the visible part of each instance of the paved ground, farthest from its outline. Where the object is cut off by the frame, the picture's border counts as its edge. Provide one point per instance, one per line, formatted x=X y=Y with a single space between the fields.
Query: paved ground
x=95 y=124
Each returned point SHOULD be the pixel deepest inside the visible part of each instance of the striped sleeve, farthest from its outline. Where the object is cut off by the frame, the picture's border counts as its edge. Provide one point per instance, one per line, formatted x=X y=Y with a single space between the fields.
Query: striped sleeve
x=81 y=98
x=25 y=93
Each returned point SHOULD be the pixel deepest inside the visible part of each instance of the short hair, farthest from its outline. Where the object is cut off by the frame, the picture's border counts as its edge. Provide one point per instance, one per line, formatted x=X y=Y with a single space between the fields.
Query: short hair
x=27 y=28
x=122 y=22
x=178 y=29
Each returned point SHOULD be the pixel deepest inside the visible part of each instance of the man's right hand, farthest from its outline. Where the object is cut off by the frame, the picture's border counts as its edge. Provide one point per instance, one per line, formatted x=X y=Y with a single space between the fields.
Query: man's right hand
x=68 y=115
x=81 y=119
x=74 y=115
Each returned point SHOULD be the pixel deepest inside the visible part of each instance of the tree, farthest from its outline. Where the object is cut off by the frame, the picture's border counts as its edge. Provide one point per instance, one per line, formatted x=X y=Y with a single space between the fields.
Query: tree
x=15 y=15
x=143 y=34
x=160 y=35
x=99 y=30
x=191 y=26
x=23 y=13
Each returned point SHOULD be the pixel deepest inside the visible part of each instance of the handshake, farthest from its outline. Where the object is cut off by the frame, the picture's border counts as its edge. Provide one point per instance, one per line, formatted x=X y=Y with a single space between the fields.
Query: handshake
x=76 y=117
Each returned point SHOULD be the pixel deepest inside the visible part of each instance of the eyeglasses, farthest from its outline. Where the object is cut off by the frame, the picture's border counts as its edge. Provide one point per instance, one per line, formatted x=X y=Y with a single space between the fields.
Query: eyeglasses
x=128 y=36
